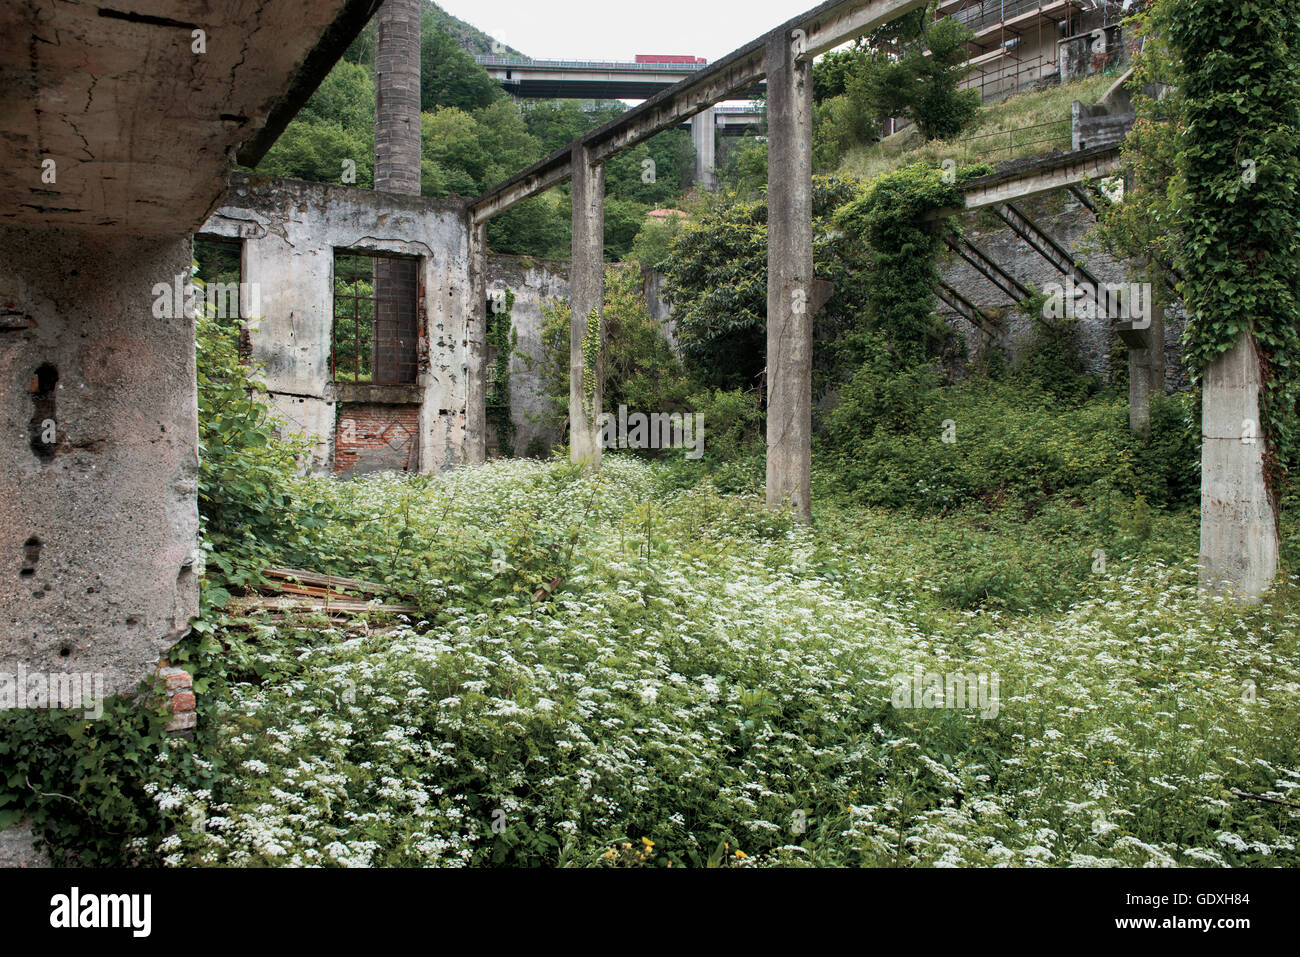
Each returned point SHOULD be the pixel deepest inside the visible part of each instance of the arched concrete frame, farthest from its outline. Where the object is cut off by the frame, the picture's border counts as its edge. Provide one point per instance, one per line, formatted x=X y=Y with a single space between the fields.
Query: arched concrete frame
x=784 y=57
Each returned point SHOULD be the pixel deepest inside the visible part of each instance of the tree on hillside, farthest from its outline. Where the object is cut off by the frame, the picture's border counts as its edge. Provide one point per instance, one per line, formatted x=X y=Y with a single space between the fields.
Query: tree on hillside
x=336 y=125
x=450 y=77
x=920 y=87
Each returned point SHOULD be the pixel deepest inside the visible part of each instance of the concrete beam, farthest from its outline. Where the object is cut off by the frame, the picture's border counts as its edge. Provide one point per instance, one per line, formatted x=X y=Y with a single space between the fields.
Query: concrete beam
x=789 y=279
x=586 y=296
x=832 y=24
x=1239 y=537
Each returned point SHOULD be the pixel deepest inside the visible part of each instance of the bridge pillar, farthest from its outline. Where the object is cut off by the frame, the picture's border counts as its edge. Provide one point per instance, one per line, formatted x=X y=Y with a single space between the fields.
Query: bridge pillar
x=587 y=298
x=1239 y=539
x=789 y=279
x=704 y=134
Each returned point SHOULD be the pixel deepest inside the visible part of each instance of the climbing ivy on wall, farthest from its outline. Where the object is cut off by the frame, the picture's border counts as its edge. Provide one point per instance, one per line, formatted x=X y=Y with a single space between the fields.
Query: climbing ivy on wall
x=590 y=358
x=501 y=340
x=898 y=221
x=1239 y=165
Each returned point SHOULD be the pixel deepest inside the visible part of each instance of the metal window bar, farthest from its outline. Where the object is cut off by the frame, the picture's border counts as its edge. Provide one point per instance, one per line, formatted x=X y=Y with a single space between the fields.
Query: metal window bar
x=378 y=301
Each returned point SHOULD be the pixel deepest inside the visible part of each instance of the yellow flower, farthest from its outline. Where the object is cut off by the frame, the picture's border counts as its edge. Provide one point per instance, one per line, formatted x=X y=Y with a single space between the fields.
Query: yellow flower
x=647 y=842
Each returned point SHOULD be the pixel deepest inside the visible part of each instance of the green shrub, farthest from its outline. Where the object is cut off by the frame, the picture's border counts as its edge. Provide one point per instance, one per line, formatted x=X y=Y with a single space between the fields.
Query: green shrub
x=1009 y=439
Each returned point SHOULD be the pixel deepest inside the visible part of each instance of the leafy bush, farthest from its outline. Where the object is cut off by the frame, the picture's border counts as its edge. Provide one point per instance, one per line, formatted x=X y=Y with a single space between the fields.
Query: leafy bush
x=905 y=441
x=245 y=469
x=641 y=369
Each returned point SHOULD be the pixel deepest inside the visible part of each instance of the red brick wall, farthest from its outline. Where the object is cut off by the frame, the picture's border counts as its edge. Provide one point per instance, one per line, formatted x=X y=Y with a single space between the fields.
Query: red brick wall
x=375 y=438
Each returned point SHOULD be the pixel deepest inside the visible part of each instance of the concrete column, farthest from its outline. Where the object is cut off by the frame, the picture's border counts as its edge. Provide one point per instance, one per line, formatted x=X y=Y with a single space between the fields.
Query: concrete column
x=789 y=279
x=1139 y=389
x=704 y=134
x=475 y=348
x=397 y=98
x=1156 y=359
x=99 y=516
x=586 y=296
x=1239 y=537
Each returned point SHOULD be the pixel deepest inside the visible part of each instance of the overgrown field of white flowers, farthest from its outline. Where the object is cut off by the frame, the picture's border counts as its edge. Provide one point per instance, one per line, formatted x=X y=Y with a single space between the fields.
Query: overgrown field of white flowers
x=711 y=684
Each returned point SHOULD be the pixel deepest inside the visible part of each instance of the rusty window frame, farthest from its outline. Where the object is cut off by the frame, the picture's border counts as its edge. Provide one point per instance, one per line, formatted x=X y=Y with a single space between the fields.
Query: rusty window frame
x=360 y=301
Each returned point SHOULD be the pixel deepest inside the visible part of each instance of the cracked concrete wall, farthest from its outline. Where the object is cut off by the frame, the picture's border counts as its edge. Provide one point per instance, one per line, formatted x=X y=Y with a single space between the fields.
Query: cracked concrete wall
x=98 y=527
x=290 y=231
x=1069 y=223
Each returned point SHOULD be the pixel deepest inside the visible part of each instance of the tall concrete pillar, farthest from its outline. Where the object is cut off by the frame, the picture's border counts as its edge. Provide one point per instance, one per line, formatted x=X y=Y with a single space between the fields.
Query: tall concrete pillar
x=704 y=134
x=789 y=279
x=99 y=559
x=476 y=347
x=587 y=297
x=397 y=98
x=1239 y=536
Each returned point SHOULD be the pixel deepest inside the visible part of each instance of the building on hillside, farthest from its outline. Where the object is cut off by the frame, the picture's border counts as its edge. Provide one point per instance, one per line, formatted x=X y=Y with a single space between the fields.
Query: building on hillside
x=1022 y=45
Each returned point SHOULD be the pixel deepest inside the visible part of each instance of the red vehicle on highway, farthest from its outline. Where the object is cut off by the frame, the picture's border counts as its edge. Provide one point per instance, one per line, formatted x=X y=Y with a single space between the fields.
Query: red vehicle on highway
x=659 y=58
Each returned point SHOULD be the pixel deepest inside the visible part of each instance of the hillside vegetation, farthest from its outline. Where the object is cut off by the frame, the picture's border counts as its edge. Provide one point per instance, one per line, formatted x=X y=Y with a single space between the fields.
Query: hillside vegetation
x=988 y=140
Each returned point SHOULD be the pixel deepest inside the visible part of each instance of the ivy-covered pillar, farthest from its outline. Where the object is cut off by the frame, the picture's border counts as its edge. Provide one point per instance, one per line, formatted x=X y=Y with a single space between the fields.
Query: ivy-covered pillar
x=1240 y=161
x=789 y=277
x=587 y=298
x=475 y=339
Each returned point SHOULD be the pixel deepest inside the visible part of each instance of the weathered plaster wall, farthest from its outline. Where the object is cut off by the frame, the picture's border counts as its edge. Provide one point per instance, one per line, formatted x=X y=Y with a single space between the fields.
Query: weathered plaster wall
x=99 y=529
x=536 y=282
x=1069 y=223
x=291 y=230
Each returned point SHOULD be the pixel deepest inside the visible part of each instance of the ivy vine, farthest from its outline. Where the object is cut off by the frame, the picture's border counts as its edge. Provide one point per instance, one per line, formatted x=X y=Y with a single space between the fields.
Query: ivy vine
x=590 y=357
x=502 y=338
x=900 y=220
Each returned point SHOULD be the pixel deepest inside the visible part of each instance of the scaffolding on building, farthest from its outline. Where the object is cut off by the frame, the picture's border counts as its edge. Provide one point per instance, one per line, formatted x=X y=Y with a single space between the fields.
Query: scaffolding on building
x=1020 y=45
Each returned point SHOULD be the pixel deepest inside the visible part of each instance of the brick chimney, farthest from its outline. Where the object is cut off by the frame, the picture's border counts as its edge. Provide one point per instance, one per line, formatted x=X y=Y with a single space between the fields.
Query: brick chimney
x=397 y=98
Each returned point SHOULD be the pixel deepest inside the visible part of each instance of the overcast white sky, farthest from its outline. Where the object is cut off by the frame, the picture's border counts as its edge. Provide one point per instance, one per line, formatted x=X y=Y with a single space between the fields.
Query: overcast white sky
x=620 y=29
